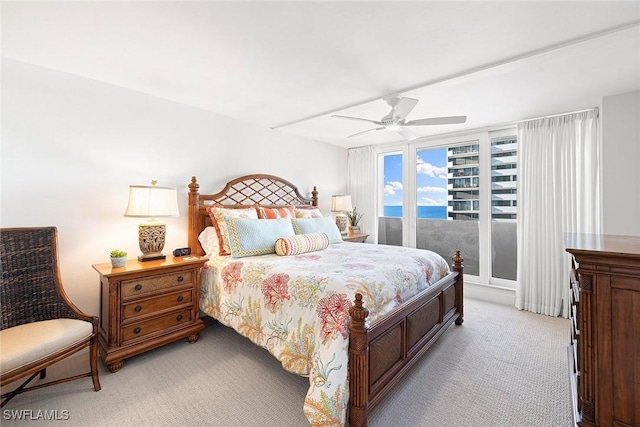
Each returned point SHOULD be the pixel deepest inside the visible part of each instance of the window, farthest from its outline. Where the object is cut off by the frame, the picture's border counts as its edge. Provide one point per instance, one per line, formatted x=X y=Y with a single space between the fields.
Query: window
x=447 y=199
x=503 y=207
x=390 y=214
x=459 y=192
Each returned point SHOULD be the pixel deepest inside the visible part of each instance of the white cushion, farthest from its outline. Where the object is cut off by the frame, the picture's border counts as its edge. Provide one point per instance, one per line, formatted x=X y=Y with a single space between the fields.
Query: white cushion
x=209 y=241
x=25 y=344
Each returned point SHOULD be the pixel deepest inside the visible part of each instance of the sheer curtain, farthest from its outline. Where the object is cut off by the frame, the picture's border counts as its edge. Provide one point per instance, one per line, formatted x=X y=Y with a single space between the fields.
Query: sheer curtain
x=361 y=173
x=558 y=192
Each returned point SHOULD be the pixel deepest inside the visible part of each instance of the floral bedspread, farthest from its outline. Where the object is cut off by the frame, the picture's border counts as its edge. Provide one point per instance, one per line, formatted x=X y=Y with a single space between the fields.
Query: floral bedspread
x=297 y=307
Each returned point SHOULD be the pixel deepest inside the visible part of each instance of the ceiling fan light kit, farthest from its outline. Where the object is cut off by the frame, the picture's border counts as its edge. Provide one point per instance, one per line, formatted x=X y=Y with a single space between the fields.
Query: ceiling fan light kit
x=395 y=119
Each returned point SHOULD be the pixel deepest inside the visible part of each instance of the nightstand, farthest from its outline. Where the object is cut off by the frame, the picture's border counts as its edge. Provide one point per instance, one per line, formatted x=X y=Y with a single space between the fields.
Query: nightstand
x=144 y=305
x=359 y=238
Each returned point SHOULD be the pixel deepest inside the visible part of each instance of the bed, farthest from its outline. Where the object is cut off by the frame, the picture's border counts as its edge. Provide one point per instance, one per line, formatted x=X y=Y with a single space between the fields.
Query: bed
x=351 y=334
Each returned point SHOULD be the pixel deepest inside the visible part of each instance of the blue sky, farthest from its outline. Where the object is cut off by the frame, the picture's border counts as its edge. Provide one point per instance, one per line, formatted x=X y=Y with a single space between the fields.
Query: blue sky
x=431 y=182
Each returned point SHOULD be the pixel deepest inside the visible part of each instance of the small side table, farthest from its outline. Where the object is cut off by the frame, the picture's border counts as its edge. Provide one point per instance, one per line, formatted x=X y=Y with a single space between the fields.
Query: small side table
x=358 y=238
x=144 y=305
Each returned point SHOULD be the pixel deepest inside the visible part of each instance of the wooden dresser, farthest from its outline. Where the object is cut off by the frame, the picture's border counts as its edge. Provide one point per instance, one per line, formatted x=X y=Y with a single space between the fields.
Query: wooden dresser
x=147 y=304
x=604 y=355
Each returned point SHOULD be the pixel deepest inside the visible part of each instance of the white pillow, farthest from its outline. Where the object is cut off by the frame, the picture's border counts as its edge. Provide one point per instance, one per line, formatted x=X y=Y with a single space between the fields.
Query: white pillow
x=208 y=239
x=308 y=213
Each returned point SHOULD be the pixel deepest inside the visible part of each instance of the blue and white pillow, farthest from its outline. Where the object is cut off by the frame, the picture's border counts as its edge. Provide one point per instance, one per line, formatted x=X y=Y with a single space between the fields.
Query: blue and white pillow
x=318 y=225
x=250 y=237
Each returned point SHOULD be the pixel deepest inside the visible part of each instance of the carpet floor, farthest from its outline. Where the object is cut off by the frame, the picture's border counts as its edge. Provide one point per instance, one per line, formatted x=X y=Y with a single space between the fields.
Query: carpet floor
x=502 y=367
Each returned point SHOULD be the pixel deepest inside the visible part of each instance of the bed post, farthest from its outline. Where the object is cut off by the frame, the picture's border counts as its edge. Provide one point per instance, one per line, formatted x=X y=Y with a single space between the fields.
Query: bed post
x=194 y=220
x=457 y=266
x=314 y=197
x=358 y=364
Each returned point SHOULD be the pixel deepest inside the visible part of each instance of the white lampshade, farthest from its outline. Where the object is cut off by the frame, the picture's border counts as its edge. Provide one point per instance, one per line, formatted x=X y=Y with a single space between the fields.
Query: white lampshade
x=149 y=201
x=341 y=203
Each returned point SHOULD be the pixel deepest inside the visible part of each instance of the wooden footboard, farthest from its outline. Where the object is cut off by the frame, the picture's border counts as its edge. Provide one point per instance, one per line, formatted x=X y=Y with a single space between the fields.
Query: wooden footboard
x=381 y=353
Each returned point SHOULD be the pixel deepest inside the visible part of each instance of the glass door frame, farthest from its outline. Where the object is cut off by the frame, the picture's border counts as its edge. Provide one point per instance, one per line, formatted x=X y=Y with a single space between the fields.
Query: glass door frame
x=481 y=139
x=409 y=152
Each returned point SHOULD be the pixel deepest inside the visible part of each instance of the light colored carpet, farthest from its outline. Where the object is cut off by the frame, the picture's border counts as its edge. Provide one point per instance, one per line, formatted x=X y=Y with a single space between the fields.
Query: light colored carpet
x=502 y=367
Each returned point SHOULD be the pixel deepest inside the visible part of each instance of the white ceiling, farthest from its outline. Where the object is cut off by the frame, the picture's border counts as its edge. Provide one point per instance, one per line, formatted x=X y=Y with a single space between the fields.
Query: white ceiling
x=290 y=65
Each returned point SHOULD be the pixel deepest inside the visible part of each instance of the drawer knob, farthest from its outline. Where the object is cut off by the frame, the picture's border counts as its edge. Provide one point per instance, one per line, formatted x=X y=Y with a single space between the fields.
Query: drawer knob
x=137 y=330
x=180 y=298
x=180 y=278
x=179 y=318
x=138 y=287
x=138 y=308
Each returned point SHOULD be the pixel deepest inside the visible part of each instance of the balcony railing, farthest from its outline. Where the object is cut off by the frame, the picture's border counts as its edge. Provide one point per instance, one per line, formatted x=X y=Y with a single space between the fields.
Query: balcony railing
x=457 y=151
x=503 y=160
x=504 y=209
x=508 y=196
x=504 y=147
x=500 y=185
x=504 y=172
x=443 y=236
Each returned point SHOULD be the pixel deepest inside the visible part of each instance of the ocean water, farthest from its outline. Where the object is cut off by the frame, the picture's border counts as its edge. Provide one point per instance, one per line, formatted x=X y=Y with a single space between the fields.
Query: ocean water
x=430 y=212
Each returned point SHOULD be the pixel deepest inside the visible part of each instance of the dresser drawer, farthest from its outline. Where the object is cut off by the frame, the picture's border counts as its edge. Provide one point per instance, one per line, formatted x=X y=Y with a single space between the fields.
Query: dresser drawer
x=131 y=288
x=135 y=309
x=138 y=330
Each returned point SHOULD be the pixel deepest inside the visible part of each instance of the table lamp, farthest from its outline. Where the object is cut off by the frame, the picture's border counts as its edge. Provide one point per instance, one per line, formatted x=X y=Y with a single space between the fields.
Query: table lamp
x=151 y=201
x=341 y=203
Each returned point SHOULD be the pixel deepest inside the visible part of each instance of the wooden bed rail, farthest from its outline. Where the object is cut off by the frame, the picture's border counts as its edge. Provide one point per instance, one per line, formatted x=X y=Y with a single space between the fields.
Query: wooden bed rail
x=381 y=353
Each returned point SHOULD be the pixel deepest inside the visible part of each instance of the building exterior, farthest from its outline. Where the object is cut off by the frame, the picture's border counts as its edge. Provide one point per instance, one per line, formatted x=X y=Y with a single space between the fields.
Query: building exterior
x=503 y=178
x=463 y=180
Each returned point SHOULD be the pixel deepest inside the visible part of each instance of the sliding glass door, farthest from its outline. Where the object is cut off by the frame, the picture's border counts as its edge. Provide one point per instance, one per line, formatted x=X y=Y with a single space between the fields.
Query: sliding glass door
x=391 y=208
x=504 y=171
x=454 y=193
x=448 y=201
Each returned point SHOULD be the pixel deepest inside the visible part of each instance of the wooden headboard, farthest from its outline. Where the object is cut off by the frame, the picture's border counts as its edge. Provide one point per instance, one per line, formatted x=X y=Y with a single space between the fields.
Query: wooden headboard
x=256 y=189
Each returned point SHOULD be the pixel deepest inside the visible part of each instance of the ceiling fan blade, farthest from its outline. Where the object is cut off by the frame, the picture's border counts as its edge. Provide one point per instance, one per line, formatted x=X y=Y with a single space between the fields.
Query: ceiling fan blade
x=437 y=121
x=408 y=134
x=364 y=131
x=357 y=118
x=404 y=107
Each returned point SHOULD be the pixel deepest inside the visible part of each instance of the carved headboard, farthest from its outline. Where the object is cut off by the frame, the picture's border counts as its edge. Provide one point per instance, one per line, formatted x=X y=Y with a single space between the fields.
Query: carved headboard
x=256 y=189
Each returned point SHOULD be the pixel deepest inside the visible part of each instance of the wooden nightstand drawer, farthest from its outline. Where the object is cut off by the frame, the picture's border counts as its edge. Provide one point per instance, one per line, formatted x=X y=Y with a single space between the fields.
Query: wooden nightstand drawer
x=152 y=305
x=138 y=330
x=137 y=287
x=144 y=305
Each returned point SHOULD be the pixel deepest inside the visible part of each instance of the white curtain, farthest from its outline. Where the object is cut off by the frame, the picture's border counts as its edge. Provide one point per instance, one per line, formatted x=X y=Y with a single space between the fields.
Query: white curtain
x=558 y=192
x=361 y=173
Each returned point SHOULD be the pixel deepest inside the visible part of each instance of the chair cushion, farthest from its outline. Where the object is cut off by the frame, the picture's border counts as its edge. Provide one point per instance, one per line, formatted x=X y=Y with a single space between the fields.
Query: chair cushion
x=28 y=343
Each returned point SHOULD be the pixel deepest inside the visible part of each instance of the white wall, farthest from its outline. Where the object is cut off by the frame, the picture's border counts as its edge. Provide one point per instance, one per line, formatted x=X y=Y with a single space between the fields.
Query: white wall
x=621 y=163
x=71 y=146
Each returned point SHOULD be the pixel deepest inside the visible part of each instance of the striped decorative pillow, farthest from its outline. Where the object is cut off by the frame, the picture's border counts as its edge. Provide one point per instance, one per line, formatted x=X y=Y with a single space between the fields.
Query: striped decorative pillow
x=275 y=212
x=301 y=243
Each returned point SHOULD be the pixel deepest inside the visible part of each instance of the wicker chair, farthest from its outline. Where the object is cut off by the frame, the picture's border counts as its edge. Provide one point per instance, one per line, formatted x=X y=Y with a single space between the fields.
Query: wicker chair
x=39 y=325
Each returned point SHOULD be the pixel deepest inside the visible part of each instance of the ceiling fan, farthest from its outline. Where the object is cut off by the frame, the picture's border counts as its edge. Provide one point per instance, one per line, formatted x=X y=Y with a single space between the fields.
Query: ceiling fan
x=395 y=119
